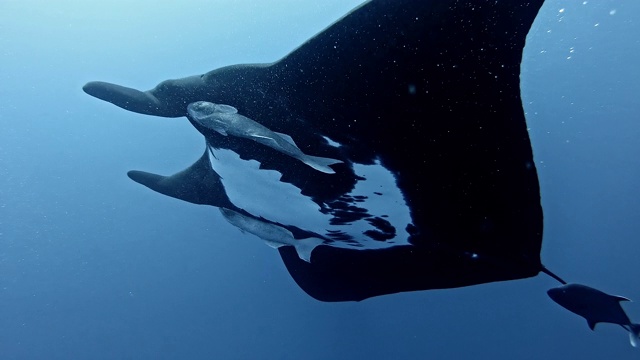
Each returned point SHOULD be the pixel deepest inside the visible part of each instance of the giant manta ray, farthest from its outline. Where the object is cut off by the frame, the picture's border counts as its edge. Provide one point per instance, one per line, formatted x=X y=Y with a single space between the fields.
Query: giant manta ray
x=418 y=102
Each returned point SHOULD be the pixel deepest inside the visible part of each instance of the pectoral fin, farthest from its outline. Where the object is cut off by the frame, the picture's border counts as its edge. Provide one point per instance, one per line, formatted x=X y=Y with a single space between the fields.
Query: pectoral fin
x=273 y=244
x=304 y=247
x=265 y=140
x=321 y=163
x=287 y=138
x=221 y=131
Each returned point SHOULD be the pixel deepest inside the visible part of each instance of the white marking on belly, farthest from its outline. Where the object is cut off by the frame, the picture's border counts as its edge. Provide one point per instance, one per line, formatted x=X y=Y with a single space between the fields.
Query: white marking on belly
x=261 y=193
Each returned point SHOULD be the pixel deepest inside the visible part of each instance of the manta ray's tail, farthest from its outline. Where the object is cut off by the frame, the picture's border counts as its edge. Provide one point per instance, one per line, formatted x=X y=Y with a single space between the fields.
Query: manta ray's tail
x=320 y=163
x=634 y=334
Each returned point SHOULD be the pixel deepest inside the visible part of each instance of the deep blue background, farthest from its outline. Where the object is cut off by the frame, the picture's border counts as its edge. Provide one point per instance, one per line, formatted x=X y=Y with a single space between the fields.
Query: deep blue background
x=94 y=266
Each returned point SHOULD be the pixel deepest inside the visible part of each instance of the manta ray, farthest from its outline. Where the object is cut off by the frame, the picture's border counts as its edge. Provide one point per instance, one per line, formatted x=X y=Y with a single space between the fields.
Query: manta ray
x=433 y=183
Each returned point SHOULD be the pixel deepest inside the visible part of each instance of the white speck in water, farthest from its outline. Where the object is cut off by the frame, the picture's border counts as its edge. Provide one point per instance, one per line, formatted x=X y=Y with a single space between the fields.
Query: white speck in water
x=331 y=142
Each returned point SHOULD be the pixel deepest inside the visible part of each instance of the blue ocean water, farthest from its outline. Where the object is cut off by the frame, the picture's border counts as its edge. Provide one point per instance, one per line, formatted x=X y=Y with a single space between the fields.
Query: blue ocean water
x=94 y=266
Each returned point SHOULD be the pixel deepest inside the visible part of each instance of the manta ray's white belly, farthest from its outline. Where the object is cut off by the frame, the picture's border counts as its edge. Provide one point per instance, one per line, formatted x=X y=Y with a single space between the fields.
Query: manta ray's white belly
x=382 y=215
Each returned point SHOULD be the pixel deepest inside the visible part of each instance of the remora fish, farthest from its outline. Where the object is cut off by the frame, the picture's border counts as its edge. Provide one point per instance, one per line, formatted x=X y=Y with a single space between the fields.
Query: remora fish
x=225 y=120
x=274 y=235
x=596 y=307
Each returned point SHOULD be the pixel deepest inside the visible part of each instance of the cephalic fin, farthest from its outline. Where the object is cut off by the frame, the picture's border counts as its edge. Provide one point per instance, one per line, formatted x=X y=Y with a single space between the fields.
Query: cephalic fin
x=197 y=184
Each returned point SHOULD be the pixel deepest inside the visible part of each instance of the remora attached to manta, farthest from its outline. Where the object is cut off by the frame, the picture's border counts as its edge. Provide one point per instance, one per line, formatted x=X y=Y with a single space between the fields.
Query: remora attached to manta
x=225 y=120
x=421 y=101
x=275 y=236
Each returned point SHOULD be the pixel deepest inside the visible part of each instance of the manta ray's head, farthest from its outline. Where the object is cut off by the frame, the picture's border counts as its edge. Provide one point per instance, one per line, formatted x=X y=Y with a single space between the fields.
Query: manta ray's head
x=209 y=115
